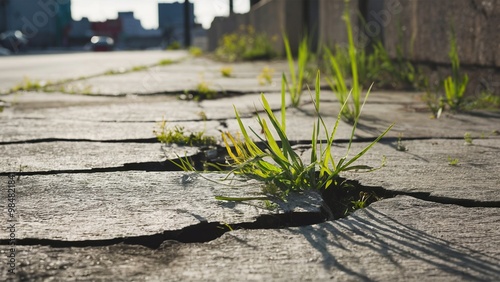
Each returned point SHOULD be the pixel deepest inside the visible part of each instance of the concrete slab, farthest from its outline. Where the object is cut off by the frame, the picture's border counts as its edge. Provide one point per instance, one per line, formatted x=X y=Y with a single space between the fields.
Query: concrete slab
x=55 y=67
x=186 y=75
x=411 y=117
x=383 y=109
x=98 y=206
x=379 y=113
x=400 y=239
x=37 y=105
x=87 y=156
x=426 y=168
x=19 y=130
x=394 y=240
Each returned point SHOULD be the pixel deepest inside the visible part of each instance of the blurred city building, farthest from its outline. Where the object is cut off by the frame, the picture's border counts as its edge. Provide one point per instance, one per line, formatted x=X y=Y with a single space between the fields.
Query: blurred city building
x=44 y=23
x=171 y=21
x=48 y=24
x=172 y=24
x=125 y=30
x=134 y=36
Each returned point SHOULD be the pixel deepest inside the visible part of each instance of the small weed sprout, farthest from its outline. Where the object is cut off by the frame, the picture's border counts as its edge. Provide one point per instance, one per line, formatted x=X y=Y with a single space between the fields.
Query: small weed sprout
x=179 y=136
x=29 y=85
x=115 y=71
x=176 y=45
x=138 y=68
x=165 y=62
x=400 y=146
x=435 y=103
x=452 y=161
x=468 y=139
x=266 y=76
x=485 y=100
x=361 y=203
x=203 y=115
x=279 y=166
x=296 y=73
x=270 y=205
x=226 y=71
x=195 y=51
x=124 y=70
x=204 y=91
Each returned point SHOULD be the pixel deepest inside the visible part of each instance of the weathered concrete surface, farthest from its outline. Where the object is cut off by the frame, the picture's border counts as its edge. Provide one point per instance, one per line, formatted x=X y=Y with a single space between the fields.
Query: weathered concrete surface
x=400 y=239
x=185 y=76
x=36 y=105
x=395 y=239
x=56 y=67
x=82 y=156
x=425 y=167
x=131 y=108
x=97 y=206
x=17 y=130
x=405 y=110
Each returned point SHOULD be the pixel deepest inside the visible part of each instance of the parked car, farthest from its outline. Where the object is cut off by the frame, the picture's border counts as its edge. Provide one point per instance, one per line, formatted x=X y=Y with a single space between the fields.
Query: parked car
x=102 y=43
x=13 y=40
x=4 y=52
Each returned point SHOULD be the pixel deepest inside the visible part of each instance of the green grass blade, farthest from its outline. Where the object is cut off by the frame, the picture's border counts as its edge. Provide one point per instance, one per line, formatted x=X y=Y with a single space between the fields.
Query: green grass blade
x=283 y=103
x=283 y=137
x=251 y=146
x=291 y=65
x=360 y=154
x=275 y=149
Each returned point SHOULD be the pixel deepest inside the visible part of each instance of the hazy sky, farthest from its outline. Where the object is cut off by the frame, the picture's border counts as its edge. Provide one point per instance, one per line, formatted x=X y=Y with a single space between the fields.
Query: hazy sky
x=147 y=10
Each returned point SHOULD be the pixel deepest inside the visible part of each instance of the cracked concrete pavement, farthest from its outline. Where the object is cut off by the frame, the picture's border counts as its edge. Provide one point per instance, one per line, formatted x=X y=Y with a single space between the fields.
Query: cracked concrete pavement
x=96 y=199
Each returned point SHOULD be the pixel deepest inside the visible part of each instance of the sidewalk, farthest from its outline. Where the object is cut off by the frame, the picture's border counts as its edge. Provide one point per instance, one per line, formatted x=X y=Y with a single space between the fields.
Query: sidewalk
x=96 y=198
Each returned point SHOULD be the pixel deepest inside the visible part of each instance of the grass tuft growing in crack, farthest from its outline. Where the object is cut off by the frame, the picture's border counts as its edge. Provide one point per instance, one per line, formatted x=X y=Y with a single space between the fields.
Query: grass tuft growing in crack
x=266 y=76
x=453 y=161
x=278 y=165
x=226 y=71
x=204 y=91
x=178 y=135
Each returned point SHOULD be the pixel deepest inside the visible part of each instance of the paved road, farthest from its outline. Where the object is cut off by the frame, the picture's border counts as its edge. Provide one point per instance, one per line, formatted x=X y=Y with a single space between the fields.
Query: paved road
x=71 y=65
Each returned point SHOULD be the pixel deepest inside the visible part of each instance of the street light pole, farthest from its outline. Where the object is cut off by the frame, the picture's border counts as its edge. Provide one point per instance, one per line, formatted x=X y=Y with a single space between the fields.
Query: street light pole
x=231 y=9
x=187 y=25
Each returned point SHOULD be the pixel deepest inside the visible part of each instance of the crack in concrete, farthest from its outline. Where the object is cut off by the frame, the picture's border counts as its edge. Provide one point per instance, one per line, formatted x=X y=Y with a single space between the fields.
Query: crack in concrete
x=223 y=123
x=130 y=121
x=142 y=166
x=205 y=231
x=208 y=231
x=48 y=140
x=467 y=203
x=199 y=233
